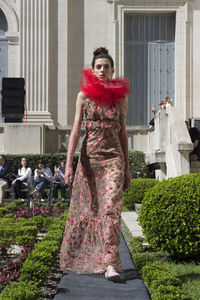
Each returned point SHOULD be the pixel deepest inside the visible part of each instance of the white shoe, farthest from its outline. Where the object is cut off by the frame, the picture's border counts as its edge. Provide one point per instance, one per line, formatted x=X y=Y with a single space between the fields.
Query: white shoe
x=111 y=274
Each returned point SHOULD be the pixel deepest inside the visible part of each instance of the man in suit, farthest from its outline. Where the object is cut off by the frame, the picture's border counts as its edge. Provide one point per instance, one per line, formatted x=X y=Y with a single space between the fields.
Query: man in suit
x=4 y=176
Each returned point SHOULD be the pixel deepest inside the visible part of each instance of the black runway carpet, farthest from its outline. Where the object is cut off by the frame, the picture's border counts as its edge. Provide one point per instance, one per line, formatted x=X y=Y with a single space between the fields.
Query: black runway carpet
x=96 y=287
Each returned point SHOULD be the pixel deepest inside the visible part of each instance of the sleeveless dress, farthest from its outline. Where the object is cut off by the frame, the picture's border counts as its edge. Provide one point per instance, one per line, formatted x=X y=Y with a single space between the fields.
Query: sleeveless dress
x=92 y=234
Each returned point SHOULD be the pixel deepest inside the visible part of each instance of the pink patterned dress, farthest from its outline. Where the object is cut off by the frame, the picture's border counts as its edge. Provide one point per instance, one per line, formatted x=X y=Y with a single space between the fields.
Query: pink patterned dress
x=92 y=234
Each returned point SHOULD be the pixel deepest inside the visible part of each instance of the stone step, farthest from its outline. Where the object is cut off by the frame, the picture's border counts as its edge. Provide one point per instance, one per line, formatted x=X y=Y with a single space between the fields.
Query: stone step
x=137 y=208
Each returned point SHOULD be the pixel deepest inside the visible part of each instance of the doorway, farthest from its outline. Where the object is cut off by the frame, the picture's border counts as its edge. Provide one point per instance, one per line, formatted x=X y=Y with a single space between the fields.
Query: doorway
x=148 y=62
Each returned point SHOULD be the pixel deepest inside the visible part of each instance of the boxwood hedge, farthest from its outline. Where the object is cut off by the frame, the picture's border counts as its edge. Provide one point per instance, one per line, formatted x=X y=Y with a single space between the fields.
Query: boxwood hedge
x=138 y=167
x=137 y=190
x=170 y=216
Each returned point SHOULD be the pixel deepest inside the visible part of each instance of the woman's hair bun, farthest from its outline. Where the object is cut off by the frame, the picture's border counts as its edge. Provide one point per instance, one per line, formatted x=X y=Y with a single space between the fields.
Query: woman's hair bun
x=99 y=51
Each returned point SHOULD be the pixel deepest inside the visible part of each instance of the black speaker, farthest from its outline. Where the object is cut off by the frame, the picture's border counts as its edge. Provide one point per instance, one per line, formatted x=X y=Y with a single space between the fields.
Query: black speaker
x=9 y=83
x=13 y=101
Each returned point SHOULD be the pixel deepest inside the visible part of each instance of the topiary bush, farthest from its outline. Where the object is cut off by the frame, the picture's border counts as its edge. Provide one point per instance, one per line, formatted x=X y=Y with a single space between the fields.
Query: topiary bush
x=138 y=167
x=21 y=290
x=162 y=283
x=137 y=190
x=170 y=216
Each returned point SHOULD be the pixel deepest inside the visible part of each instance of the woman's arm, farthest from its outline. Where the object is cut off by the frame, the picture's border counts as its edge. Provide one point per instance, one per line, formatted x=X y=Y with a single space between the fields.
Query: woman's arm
x=27 y=175
x=123 y=136
x=74 y=138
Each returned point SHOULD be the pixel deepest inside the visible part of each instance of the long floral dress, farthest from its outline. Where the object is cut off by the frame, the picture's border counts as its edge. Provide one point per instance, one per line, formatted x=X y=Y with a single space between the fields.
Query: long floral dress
x=92 y=234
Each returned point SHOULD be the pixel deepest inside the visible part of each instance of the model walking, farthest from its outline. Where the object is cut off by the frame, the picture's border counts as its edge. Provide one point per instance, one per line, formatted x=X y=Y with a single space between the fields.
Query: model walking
x=92 y=235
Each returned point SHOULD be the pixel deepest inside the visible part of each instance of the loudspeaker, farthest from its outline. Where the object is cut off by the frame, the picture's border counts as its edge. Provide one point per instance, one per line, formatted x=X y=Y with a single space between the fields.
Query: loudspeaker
x=9 y=83
x=13 y=93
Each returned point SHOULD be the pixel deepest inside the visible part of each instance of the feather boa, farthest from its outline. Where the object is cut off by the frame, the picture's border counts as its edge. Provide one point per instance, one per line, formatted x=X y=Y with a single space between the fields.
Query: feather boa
x=102 y=91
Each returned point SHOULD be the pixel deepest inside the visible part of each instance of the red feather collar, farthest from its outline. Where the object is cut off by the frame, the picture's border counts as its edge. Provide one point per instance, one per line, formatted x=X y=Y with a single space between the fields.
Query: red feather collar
x=102 y=91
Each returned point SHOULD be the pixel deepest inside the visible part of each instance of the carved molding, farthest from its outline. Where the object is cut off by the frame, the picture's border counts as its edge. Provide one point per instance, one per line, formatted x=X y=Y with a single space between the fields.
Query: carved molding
x=11 y=16
x=112 y=1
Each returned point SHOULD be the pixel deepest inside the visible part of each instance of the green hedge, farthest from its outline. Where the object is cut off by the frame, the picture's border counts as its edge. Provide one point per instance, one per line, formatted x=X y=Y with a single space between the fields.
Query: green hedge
x=170 y=216
x=50 y=160
x=20 y=291
x=137 y=190
x=162 y=283
x=138 y=167
x=35 y=269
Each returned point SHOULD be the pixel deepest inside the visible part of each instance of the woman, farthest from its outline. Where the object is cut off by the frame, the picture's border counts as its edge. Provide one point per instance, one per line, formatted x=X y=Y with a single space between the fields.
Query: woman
x=60 y=181
x=23 y=180
x=92 y=236
x=42 y=178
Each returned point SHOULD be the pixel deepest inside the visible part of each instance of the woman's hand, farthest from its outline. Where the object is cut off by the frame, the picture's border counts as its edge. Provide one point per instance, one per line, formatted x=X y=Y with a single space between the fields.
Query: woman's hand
x=68 y=175
x=127 y=180
x=13 y=182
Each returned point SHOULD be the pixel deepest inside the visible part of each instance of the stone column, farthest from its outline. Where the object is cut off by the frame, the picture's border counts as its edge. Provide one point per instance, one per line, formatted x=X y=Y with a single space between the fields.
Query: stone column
x=34 y=42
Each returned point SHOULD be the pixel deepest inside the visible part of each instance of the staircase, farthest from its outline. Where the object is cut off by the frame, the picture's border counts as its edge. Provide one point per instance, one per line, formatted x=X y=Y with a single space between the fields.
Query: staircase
x=194 y=165
x=169 y=146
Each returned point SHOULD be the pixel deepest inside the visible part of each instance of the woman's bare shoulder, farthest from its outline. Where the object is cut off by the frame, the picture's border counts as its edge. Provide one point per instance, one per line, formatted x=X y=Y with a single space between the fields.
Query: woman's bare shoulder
x=80 y=99
x=81 y=95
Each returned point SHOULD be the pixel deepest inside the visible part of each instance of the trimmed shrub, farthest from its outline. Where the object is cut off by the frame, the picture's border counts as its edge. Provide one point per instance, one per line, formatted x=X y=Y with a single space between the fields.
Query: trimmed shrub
x=138 y=167
x=22 y=240
x=155 y=274
x=34 y=271
x=7 y=231
x=21 y=291
x=136 y=244
x=170 y=216
x=137 y=190
x=49 y=159
x=169 y=292
x=161 y=282
x=141 y=259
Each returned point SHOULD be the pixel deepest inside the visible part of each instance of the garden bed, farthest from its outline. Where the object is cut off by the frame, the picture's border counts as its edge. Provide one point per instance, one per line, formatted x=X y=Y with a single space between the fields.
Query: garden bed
x=34 y=264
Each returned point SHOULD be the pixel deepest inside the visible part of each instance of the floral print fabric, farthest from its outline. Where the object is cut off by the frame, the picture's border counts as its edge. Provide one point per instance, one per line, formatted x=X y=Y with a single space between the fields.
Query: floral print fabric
x=92 y=234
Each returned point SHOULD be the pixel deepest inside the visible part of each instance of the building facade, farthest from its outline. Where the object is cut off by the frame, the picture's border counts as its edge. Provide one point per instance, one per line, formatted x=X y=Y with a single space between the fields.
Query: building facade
x=155 y=43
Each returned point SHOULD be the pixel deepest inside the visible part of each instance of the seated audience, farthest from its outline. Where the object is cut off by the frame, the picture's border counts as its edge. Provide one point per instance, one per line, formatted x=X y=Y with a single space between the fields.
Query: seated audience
x=4 y=177
x=42 y=178
x=195 y=138
x=60 y=181
x=23 y=179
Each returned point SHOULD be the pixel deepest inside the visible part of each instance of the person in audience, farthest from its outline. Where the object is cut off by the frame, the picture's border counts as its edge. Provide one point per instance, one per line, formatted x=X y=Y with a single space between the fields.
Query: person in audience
x=23 y=179
x=42 y=178
x=195 y=138
x=4 y=176
x=60 y=181
x=166 y=102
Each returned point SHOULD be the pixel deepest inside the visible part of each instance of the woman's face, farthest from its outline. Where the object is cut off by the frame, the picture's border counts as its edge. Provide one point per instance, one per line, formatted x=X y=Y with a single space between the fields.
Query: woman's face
x=102 y=69
x=40 y=166
x=24 y=162
x=62 y=165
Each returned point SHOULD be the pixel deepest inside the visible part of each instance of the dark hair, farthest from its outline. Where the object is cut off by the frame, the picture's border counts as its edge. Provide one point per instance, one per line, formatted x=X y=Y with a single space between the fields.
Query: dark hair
x=41 y=162
x=3 y=156
x=102 y=53
x=20 y=166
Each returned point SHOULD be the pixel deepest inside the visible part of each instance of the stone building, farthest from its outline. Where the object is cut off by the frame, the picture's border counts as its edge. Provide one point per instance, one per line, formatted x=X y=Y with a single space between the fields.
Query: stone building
x=155 y=43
